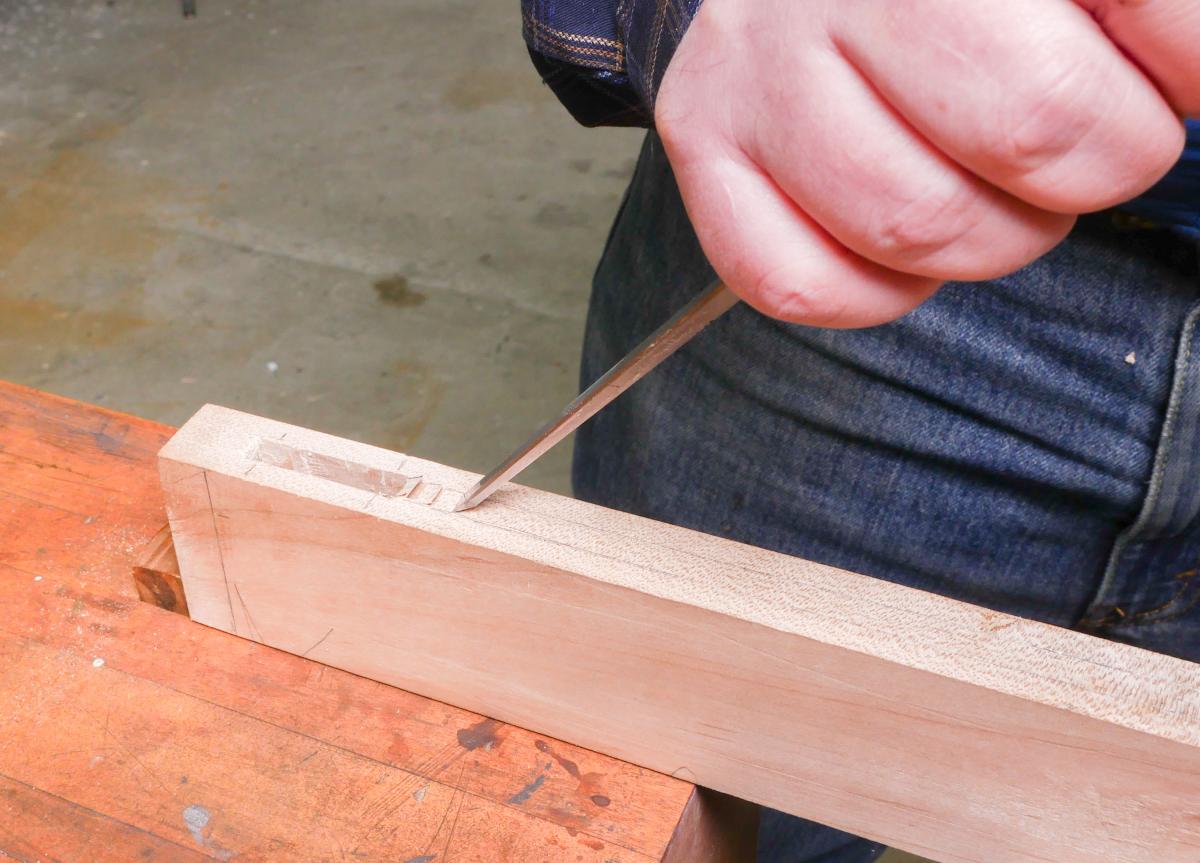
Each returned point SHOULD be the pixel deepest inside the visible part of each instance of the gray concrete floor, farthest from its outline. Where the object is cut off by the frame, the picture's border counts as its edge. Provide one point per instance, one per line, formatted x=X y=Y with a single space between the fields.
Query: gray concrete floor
x=368 y=218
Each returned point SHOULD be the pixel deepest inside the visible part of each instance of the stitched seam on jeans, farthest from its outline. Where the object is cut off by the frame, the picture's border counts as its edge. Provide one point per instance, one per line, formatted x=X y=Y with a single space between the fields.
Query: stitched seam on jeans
x=1150 y=507
x=575 y=37
x=655 y=43
x=1117 y=618
x=599 y=58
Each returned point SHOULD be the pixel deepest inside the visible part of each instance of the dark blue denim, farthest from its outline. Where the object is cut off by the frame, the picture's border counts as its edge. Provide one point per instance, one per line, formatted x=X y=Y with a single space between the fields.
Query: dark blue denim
x=1030 y=444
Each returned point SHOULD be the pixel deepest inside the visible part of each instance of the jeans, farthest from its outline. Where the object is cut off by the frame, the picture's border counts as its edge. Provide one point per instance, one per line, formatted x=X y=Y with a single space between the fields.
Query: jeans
x=1030 y=444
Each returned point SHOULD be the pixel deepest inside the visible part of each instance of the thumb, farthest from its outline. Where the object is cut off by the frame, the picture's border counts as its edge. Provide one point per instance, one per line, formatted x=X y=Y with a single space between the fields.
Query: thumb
x=1161 y=36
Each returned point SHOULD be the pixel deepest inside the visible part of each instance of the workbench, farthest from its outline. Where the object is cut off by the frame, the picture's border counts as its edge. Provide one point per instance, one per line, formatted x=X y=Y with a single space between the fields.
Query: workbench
x=128 y=732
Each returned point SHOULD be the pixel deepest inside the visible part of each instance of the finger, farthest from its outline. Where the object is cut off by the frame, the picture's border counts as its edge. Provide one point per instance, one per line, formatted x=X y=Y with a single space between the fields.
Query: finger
x=1161 y=37
x=1031 y=95
x=777 y=258
x=885 y=192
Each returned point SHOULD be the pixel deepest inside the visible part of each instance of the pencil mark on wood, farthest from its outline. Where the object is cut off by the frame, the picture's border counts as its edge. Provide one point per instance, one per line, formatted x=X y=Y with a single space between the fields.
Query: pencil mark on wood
x=220 y=553
x=121 y=745
x=319 y=642
x=255 y=632
x=462 y=796
x=445 y=814
x=684 y=772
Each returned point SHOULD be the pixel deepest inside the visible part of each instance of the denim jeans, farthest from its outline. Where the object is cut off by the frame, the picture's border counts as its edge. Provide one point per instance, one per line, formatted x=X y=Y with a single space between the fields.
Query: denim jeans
x=1030 y=444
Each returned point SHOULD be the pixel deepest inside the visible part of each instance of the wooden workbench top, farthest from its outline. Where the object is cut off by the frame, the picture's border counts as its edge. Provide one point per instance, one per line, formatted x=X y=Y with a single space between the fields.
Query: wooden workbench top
x=130 y=733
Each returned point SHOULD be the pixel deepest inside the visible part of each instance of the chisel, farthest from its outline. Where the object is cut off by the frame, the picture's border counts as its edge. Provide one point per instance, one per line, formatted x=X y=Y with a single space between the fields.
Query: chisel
x=659 y=345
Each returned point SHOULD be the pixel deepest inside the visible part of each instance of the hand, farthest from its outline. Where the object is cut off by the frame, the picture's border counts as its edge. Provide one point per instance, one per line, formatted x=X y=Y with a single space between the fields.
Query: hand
x=839 y=159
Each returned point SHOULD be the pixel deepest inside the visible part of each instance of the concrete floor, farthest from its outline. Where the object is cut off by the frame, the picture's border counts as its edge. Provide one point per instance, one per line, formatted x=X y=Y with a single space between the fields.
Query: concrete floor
x=368 y=218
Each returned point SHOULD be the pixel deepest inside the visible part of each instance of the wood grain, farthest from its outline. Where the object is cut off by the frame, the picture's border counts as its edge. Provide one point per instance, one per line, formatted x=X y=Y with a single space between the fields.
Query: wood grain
x=715 y=827
x=36 y=825
x=950 y=731
x=285 y=758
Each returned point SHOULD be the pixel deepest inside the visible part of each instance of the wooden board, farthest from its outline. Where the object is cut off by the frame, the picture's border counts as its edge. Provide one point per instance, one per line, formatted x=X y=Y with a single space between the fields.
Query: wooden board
x=131 y=733
x=932 y=725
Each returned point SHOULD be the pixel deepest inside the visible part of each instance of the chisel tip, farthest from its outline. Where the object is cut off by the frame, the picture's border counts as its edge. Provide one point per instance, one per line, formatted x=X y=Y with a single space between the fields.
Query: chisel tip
x=468 y=500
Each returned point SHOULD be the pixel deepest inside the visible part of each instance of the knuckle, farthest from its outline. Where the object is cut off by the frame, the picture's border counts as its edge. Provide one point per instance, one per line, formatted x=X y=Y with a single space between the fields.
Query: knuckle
x=918 y=227
x=1088 y=137
x=813 y=301
x=1045 y=125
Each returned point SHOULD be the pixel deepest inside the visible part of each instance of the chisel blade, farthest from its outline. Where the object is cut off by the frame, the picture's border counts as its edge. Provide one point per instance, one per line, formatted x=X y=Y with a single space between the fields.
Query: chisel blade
x=663 y=342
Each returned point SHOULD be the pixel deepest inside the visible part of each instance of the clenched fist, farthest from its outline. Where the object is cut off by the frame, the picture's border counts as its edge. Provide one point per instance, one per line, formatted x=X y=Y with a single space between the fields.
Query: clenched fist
x=839 y=159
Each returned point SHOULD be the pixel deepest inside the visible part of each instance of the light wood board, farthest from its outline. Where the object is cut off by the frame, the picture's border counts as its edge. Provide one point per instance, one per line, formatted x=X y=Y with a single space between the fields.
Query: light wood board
x=935 y=726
